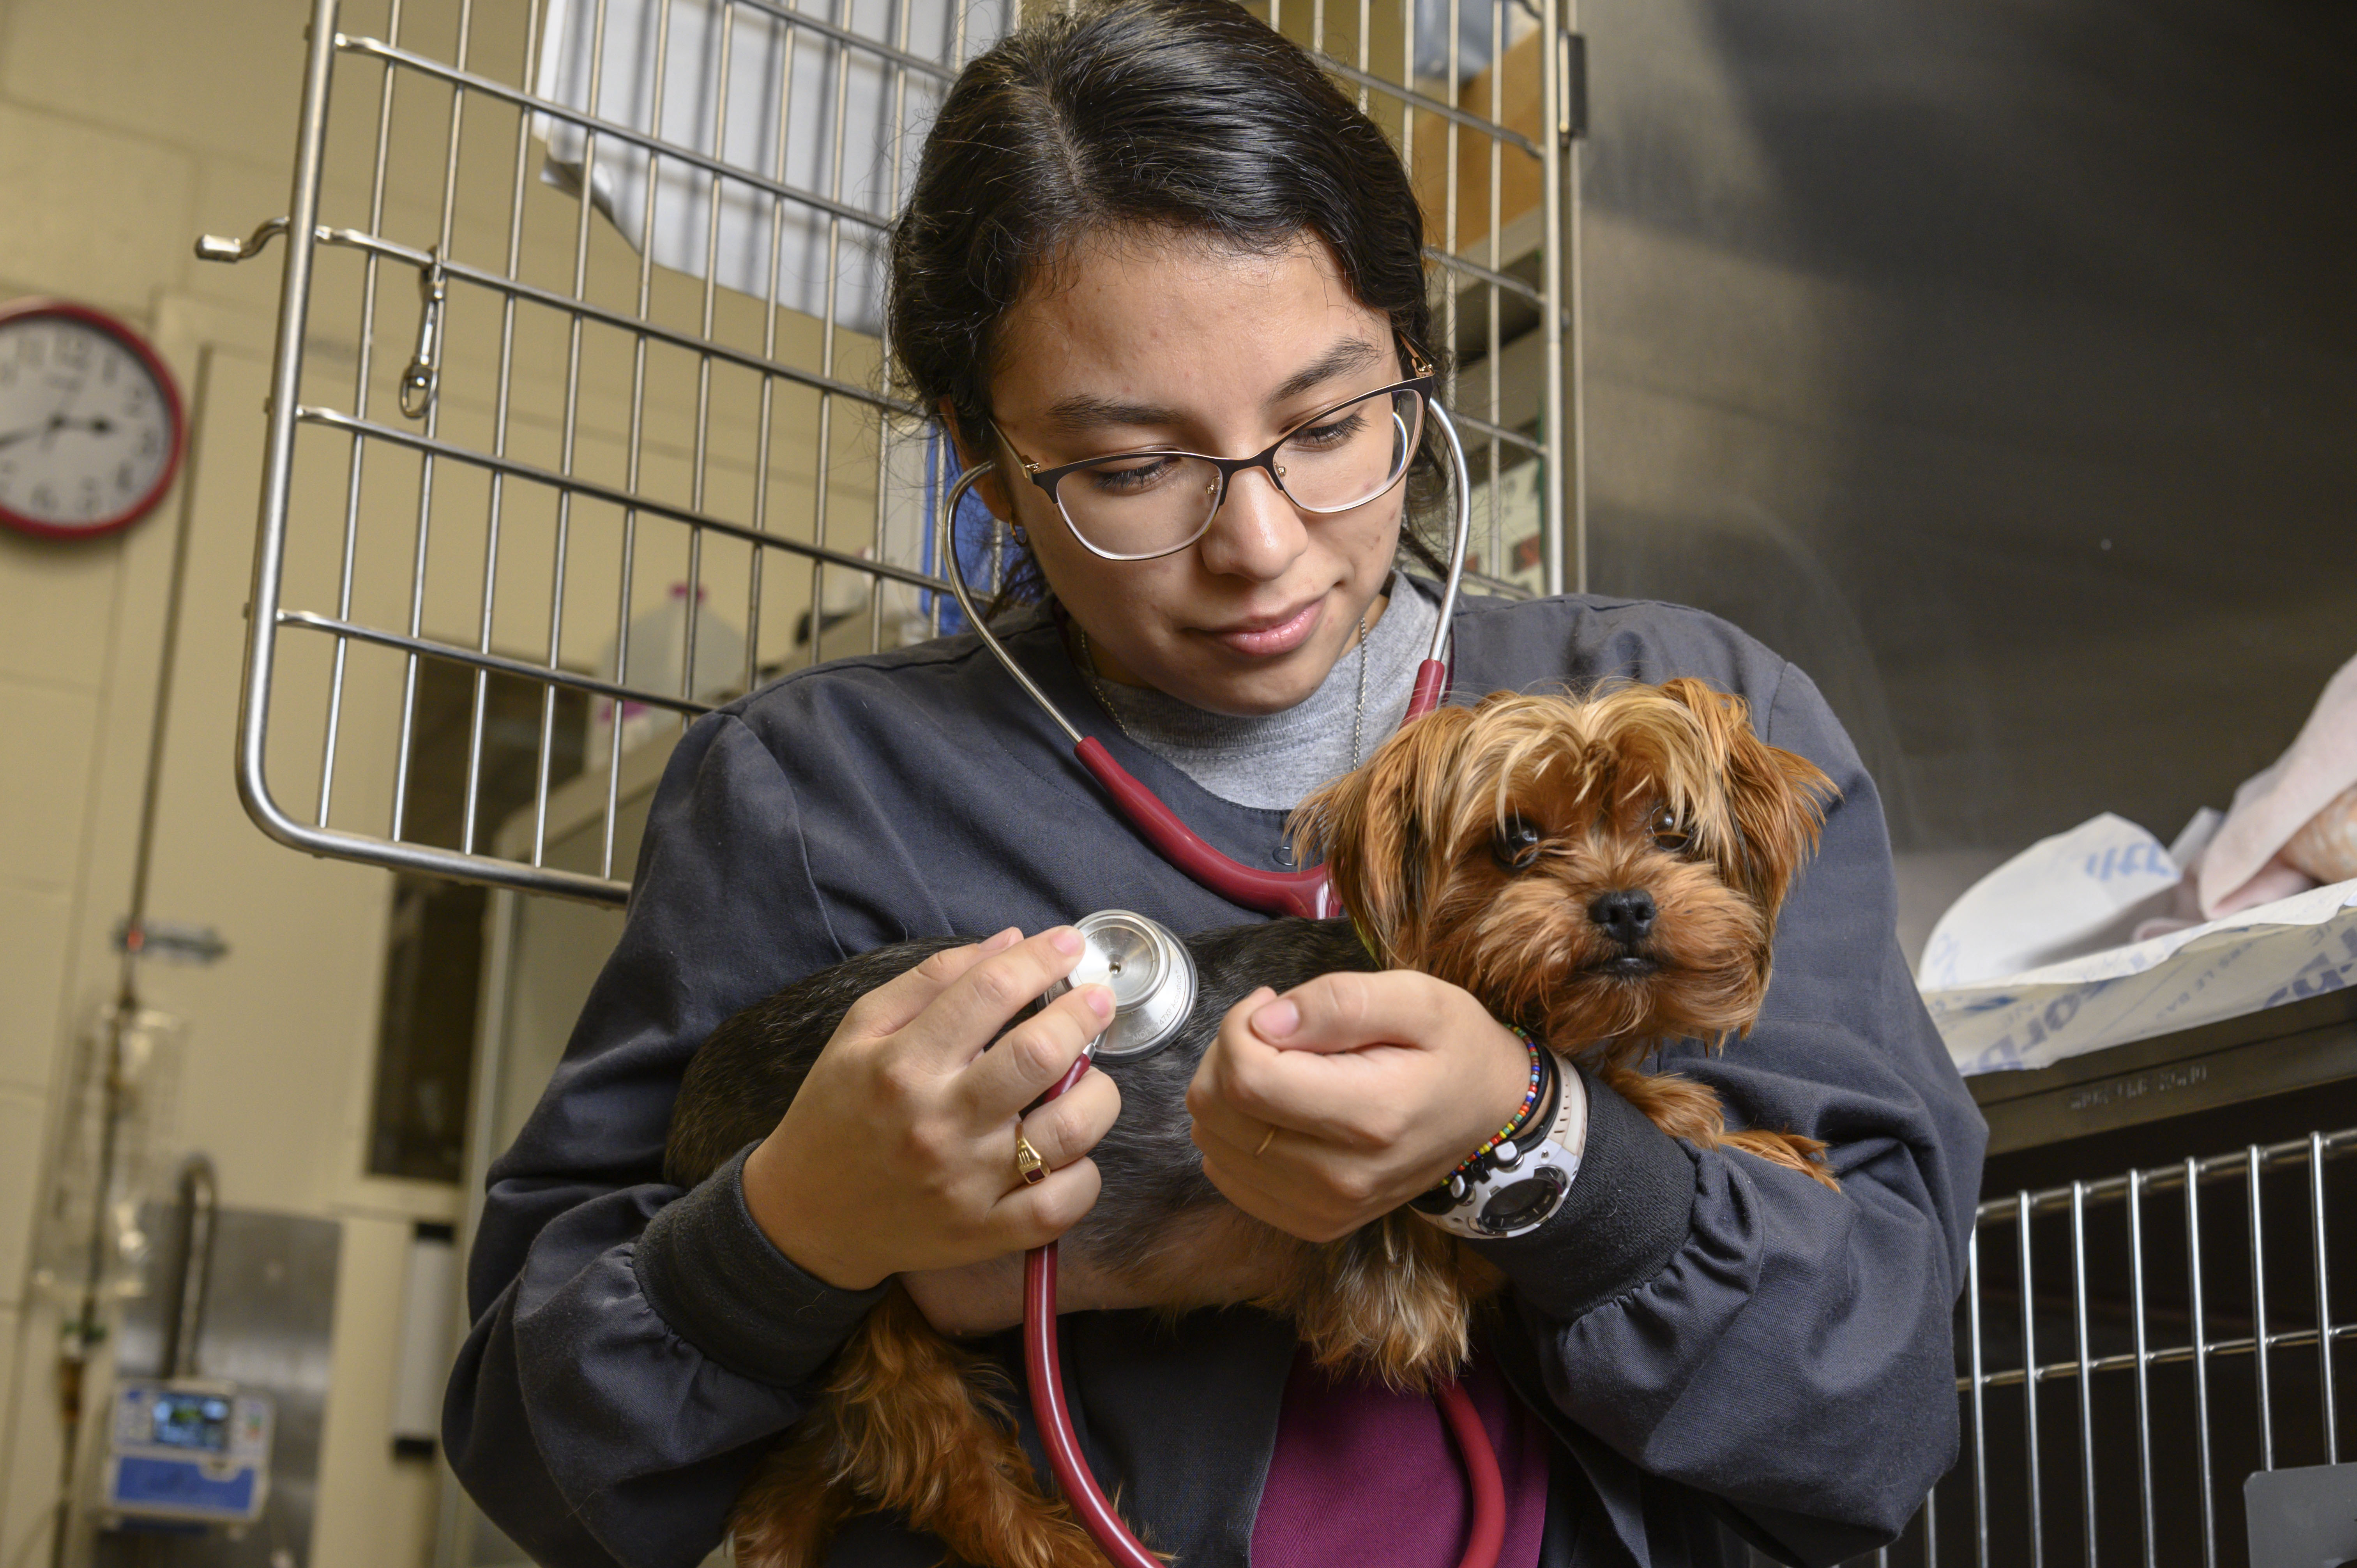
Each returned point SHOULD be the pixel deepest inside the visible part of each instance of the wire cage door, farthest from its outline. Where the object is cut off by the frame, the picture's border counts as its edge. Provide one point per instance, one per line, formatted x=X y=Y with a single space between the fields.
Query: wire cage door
x=2131 y=1350
x=579 y=421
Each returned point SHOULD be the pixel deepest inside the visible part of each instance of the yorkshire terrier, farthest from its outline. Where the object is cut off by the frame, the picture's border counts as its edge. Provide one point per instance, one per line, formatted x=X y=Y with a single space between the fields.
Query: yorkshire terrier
x=1605 y=872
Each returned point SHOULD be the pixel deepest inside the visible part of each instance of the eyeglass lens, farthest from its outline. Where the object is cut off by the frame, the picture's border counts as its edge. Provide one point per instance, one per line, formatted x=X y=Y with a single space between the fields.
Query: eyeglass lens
x=1148 y=502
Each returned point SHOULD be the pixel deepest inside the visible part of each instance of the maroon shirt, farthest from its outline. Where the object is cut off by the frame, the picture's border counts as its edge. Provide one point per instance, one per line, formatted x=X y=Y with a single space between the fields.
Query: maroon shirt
x=1366 y=1477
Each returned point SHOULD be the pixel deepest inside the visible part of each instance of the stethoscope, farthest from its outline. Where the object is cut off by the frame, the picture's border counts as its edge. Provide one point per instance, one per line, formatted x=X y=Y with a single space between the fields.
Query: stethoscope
x=1153 y=981
x=1302 y=892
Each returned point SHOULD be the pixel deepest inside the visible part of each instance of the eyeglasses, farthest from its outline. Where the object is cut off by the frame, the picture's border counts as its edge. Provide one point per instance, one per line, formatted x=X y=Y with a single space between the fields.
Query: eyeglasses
x=1136 y=506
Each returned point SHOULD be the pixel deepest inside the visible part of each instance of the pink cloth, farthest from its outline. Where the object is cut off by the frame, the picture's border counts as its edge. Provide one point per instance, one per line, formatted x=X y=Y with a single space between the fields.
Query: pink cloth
x=2242 y=866
x=1363 y=1477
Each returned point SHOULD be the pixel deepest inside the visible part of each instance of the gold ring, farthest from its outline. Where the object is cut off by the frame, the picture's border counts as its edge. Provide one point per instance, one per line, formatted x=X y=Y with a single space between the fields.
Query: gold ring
x=1028 y=1163
x=1267 y=1139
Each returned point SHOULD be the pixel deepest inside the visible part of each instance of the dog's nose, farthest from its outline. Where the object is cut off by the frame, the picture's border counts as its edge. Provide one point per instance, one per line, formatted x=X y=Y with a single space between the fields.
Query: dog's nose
x=1625 y=915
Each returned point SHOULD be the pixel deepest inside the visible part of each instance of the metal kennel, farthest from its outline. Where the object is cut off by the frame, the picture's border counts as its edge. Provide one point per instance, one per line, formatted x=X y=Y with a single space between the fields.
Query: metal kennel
x=579 y=423
x=2131 y=1349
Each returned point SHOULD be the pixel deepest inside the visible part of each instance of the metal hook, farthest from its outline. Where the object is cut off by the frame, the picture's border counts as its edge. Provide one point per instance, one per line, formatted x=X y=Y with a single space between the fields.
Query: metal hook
x=418 y=381
x=196 y=1213
x=228 y=248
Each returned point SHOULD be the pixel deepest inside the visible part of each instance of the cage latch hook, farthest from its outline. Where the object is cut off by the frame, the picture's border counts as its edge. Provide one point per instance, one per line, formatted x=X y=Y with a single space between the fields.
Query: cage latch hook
x=418 y=381
x=230 y=248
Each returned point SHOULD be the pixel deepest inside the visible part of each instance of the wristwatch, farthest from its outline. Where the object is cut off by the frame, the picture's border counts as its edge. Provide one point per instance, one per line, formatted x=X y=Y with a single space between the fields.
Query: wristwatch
x=1516 y=1186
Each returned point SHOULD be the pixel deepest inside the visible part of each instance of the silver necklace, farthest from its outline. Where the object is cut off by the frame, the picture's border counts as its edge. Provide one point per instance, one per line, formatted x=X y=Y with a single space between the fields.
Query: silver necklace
x=1358 y=713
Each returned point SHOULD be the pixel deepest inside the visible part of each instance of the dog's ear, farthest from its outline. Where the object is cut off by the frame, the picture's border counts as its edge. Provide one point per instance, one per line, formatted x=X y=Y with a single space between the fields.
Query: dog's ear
x=1383 y=830
x=1776 y=799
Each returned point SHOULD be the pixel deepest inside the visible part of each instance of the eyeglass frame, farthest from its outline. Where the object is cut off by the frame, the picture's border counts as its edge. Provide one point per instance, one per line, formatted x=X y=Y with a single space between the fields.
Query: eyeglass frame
x=1424 y=383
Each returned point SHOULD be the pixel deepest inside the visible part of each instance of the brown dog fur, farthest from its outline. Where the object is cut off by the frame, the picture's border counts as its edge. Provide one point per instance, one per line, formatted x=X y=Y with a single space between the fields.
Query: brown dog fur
x=1471 y=846
x=1411 y=842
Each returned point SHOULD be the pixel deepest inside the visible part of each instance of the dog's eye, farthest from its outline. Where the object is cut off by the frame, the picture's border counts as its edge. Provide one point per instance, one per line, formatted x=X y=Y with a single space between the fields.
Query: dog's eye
x=1667 y=830
x=1516 y=845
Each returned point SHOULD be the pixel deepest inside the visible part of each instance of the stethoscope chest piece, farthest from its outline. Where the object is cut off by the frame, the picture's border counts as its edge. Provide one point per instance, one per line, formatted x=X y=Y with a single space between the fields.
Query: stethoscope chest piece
x=1150 y=974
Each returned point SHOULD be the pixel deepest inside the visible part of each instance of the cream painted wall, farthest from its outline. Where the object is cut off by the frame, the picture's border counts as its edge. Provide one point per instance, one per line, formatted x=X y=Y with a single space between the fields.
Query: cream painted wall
x=117 y=123
x=276 y=1083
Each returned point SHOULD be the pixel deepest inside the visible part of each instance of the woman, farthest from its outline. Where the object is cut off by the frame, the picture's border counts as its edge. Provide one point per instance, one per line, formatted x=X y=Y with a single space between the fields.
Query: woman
x=1153 y=224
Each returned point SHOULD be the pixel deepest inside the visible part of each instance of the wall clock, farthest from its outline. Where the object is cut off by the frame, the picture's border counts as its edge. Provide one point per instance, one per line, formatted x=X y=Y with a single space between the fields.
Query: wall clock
x=91 y=429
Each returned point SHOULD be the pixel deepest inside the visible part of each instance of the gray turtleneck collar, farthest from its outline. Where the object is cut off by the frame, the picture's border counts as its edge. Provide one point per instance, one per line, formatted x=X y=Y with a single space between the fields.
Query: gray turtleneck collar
x=1271 y=760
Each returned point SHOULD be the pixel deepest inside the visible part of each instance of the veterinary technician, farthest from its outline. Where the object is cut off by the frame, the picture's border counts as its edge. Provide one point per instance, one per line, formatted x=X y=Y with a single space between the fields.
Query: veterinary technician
x=1154 y=224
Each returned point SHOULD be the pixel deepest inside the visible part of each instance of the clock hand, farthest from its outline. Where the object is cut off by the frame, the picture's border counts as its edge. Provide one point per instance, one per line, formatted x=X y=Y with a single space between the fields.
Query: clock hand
x=97 y=424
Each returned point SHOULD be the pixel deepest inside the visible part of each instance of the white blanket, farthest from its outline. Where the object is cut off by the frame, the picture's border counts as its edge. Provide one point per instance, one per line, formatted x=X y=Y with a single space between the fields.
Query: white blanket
x=2258 y=958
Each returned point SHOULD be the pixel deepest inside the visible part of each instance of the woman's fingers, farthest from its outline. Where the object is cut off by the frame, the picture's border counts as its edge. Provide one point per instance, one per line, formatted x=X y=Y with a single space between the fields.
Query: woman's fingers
x=1345 y=1012
x=1061 y=1133
x=1301 y=1182
x=1347 y=1096
x=1279 y=1197
x=907 y=1082
x=1033 y=1057
x=1068 y=1126
x=966 y=1012
x=1248 y=1083
x=1036 y=1215
x=893 y=1006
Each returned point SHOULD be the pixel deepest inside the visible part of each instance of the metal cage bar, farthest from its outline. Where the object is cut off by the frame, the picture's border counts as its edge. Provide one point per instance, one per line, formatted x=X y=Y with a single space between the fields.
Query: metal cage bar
x=635 y=383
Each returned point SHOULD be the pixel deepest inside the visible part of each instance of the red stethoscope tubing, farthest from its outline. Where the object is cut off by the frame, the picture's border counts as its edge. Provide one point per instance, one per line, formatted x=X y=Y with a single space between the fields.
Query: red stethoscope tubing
x=1043 y=1372
x=1303 y=892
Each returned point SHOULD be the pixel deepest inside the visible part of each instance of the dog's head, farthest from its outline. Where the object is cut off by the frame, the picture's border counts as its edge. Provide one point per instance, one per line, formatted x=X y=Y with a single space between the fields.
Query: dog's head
x=1605 y=871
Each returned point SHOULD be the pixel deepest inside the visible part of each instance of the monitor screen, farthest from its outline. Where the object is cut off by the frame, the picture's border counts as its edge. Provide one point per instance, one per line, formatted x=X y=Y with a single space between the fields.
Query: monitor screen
x=192 y=1421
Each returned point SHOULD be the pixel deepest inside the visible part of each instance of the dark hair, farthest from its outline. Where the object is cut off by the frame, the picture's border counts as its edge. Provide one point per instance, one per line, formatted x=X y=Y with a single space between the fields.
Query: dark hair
x=1187 y=116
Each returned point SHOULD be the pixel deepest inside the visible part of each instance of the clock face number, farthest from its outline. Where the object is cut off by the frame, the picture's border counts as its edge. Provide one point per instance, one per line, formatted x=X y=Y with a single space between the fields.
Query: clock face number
x=85 y=433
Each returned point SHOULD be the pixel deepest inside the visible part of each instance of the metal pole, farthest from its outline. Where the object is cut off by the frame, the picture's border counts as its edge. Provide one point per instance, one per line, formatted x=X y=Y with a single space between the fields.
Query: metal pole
x=2086 y=1390
x=2259 y=1334
x=2030 y=1386
x=1980 y=1411
x=2143 y=1366
x=81 y=1335
x=278 y=437
x=2323 y=1300
x=2200 y=1359
x=1560 y=281
x=1575 y=291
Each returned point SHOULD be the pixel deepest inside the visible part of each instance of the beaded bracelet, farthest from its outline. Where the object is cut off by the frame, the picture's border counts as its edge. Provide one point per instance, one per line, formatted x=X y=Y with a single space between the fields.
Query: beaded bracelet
x=1530 y=1102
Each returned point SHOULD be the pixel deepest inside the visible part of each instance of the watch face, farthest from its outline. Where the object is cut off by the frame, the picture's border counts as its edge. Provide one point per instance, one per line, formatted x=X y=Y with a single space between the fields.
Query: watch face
x=90 y=423
x=1524 y=1203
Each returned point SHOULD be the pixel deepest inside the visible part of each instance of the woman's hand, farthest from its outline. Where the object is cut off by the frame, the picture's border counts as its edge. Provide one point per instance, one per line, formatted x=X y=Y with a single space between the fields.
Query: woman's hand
x=1376 y=1086
x=898 y=1152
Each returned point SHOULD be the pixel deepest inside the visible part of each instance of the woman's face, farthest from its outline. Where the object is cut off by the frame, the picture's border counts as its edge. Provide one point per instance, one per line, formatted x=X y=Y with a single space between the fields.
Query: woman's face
x=1151 y=340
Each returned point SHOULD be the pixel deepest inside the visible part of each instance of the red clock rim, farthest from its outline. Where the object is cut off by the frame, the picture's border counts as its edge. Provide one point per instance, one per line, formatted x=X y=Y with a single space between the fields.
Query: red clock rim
x=131 y=337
